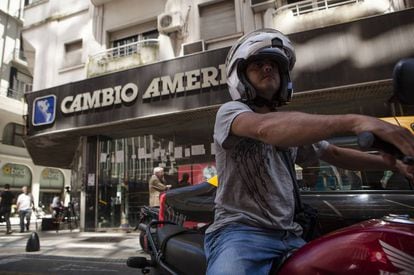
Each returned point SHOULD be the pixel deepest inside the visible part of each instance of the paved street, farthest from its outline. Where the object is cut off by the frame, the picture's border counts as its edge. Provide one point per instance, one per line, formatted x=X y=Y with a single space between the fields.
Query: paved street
x=51 y=265
x=68 y=252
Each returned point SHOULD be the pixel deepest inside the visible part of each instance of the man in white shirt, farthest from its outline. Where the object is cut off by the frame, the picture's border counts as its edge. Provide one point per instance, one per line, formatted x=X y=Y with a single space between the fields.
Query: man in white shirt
x=24 y=207
x=66 y=199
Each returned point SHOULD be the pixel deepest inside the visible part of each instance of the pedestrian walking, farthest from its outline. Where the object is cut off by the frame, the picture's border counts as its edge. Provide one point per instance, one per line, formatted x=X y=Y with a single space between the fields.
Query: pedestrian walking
x=6 y=201
x=25 y=205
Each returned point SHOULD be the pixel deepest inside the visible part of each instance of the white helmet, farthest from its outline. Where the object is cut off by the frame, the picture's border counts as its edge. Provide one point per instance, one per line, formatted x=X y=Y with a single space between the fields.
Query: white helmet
x=267 y=43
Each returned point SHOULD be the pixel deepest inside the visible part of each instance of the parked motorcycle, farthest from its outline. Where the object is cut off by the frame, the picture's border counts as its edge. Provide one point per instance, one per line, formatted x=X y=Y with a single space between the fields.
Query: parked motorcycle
x=376 y=246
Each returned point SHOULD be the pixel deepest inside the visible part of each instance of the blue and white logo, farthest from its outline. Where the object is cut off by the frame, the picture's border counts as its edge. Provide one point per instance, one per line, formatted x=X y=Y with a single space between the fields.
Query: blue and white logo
x=44 y=110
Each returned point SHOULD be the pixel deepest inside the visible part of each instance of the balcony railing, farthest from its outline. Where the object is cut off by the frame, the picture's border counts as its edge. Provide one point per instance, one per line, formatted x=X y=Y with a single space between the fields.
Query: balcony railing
x=311 y=14
x=123 y=57
x=308 y=6
x=11 y=93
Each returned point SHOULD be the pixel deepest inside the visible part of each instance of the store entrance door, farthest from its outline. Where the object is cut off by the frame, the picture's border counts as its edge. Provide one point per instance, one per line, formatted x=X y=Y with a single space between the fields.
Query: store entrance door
x=112 y=203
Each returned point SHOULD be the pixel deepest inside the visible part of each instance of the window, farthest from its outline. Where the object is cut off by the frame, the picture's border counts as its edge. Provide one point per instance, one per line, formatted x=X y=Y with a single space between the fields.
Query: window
x=217 y=20
x=124 y=41
x=29 y=2
x=153 y=34
x=13 y=135
x=328 y=178
x=20 y=83
x=127 y=46
x=182 y=145
x=73 y=53
x=122 y=49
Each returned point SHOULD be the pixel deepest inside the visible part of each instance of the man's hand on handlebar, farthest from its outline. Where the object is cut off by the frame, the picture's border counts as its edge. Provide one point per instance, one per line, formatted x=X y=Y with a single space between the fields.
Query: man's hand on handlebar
x=404 y=169
x=395 y=135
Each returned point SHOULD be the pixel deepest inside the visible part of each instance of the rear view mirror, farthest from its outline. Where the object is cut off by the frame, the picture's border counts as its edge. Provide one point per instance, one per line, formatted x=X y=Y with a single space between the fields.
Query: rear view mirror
x=403 y=77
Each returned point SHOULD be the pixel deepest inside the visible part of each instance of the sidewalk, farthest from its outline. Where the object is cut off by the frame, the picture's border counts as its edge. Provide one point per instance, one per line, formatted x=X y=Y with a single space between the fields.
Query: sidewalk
x=108 y=245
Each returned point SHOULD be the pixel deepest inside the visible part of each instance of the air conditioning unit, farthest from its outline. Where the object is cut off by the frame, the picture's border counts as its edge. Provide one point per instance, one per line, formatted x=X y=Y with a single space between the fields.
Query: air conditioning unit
x=169 y=22
x=261 y=5
x=193 y=47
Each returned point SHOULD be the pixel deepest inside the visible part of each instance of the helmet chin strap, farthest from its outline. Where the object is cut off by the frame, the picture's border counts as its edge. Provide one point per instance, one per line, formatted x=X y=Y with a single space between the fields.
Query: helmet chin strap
x=257 y=101
x=260 y=101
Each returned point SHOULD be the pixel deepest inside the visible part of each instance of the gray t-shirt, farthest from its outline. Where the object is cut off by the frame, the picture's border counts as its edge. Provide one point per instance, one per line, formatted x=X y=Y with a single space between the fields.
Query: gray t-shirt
x=255 y=185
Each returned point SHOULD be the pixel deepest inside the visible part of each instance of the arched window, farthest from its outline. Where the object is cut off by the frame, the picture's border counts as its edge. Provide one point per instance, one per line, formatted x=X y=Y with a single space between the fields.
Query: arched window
x=13 y=134
x=16 y=175
x=52 y=179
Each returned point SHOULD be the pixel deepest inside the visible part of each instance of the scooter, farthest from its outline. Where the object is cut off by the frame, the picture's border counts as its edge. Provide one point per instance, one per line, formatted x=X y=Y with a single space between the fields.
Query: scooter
x=376 y=246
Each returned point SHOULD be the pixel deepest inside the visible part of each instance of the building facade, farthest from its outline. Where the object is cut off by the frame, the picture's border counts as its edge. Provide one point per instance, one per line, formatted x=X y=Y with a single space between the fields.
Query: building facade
x=121 y=87
x=16 y=165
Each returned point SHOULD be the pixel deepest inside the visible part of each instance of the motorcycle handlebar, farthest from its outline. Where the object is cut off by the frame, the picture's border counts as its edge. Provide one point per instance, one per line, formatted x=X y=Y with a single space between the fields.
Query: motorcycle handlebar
x=369 y=141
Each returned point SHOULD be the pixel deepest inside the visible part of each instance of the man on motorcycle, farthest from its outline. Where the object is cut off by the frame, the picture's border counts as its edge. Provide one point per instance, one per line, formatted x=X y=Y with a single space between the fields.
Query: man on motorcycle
x=253 y=226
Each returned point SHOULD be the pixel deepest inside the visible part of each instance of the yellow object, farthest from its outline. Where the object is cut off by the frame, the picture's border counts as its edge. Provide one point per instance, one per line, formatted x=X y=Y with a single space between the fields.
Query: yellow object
x=213 y=181
x=403 y=121
x=103 y=202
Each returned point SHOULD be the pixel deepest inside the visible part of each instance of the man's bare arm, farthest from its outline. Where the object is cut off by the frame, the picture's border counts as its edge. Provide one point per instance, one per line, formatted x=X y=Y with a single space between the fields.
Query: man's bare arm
x=354 y=160
x=286 y=129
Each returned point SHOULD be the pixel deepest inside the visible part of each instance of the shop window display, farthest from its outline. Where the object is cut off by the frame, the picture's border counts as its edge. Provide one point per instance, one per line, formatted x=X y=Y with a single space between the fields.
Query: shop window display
x=126 y=164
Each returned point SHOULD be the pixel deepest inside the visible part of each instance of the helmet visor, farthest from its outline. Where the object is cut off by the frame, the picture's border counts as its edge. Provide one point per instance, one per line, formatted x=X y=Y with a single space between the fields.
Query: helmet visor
x=274 y=54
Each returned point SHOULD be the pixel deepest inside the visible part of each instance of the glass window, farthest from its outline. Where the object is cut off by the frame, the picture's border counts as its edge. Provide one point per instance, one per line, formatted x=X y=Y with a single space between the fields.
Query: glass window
x=153 y=34
x=123 y=46
x=45 y=200
x=127 y=46
x=13 y=135
x=29 y=2
x=52 y=178
x=20 y=84
x=126 y=164
x=325 y=177
x=16 y=175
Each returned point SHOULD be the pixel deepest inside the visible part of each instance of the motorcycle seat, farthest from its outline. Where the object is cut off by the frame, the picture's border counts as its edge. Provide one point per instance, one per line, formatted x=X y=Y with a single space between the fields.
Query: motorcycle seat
x=182 y=249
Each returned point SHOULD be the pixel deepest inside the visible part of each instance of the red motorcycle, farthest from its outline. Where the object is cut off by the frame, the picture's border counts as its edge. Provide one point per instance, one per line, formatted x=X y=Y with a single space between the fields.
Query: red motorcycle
x=376 y=246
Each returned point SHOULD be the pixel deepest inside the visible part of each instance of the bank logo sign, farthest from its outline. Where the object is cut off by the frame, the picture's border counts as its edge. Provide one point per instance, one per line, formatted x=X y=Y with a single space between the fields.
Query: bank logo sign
x=44 y=110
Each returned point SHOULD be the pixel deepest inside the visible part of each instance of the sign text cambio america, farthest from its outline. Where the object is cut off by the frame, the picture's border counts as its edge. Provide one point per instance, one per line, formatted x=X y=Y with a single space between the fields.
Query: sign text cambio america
x=159 y=86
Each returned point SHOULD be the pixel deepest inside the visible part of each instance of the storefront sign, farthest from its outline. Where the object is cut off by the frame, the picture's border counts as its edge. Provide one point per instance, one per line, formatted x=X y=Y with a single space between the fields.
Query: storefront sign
x=52 y=179
x=14 y=170
x=99 y=98
x=194 y=79
x=44 y=110
x=16 y=175
x=49 y=173
x=181 y=84
x=159 y=86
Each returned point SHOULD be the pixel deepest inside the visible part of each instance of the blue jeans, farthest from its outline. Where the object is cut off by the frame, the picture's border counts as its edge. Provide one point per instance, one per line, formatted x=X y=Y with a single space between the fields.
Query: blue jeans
x=241 y=249
x=25 y=214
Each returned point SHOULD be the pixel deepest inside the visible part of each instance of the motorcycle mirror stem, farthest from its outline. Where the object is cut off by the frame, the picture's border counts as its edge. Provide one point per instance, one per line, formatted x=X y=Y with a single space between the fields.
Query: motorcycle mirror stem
x=403 y=81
